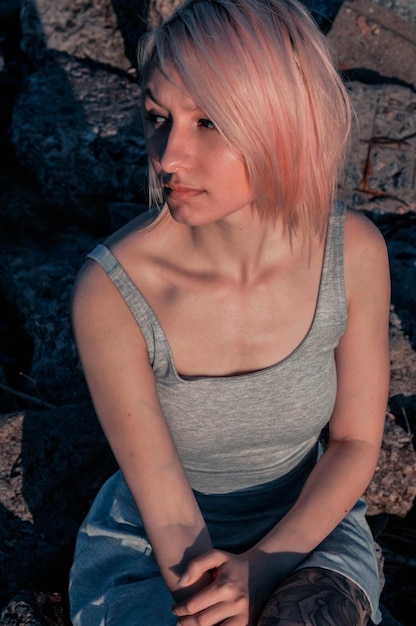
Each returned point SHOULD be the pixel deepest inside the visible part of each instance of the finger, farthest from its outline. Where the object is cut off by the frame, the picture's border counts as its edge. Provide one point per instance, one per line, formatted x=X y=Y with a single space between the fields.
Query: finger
x=213 y=605
x=212 y=616
x=198 y=602
x=200 y=565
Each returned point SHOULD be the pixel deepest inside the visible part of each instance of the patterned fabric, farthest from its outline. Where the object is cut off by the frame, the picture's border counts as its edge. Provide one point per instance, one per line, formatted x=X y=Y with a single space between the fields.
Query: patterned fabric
x=316 y=597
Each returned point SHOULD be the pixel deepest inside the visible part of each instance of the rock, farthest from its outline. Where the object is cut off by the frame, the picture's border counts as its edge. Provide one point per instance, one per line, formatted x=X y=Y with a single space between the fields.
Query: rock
x=77 y=129
x=9 y=8
x=77 y=134
x=387 y=618
x=381 y=174
x=393 y=488
x=403 y=359
x=402 y=255
x=159 y=10
x=51 y=466
x=403 y=9
x=79 y=28
x=36 y=609
x=77 y=124
x=376 y=50
x=366 y=36
x=37 y=287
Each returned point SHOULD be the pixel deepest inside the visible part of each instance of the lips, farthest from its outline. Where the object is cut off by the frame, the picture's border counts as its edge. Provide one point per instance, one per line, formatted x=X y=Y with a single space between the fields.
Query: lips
x=178 y=191
x=181 y=188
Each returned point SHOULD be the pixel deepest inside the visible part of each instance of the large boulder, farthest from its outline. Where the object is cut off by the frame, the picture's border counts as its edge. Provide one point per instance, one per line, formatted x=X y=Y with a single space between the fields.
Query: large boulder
x=52 y=463
x=36 y=289
x=82 y=29
x=77 y=128
x=77 y=124
x=381 y=173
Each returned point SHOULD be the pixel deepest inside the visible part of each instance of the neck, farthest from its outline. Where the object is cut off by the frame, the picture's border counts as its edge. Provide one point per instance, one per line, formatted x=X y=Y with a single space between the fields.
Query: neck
x=240 y=249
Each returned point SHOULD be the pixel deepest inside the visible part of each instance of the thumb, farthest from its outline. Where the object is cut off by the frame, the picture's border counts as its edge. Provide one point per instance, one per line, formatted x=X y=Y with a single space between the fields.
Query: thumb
x=201 y=565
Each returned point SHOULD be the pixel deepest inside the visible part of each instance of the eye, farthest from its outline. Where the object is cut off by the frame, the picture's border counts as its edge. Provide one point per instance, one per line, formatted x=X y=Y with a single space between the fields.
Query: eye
x=155 y=119
x=206 y=124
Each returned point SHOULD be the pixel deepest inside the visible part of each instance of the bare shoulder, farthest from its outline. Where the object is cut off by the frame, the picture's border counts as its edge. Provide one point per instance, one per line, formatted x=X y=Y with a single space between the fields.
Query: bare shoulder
x=362 y=236
x=132 y=245
x=366 y=259
x=364 y=244
x=96 y=306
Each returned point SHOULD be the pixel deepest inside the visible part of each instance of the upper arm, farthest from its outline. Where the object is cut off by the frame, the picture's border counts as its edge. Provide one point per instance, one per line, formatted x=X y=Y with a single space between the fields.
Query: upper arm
x=362 y=356
x=122 y=386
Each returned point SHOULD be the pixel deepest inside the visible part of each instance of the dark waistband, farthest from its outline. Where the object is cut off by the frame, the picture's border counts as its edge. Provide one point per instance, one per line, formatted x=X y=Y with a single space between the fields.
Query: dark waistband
x=281 y=492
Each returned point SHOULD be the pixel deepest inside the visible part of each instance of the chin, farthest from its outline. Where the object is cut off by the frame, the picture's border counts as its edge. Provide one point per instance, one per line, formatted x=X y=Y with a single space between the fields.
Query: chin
x=189 y=218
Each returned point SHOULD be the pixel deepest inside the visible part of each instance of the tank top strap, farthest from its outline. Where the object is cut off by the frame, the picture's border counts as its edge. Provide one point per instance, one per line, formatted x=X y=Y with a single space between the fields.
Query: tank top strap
x=331 y=308
x=137 y=303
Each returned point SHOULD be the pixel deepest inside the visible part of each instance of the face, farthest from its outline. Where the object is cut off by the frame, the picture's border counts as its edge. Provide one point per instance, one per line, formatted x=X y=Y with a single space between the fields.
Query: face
x=203 y=179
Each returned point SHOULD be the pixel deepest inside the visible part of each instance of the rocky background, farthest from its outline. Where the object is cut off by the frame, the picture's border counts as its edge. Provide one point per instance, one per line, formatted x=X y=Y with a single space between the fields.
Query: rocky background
x=73 y=168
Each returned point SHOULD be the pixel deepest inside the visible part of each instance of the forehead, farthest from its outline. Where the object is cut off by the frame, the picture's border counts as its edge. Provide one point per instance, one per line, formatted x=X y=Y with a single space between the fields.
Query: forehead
x=169 y=89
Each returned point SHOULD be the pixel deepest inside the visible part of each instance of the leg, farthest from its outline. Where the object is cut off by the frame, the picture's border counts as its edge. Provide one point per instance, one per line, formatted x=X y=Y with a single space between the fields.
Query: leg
x=316 y=597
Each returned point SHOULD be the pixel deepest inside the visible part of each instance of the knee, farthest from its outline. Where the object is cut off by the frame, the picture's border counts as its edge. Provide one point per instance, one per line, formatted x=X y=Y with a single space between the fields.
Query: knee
x=315 y=597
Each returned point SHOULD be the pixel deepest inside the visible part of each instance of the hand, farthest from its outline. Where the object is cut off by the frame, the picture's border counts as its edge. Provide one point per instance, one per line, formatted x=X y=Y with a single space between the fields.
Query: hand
x=227 y=600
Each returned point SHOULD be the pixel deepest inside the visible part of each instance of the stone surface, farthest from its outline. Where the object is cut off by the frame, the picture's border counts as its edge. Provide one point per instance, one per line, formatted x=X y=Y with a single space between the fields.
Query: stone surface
x=51 y=465
x=77 y=129
x=403 y=9
x=77 y=125
x=159 y=10
x=366 y=35
x=36 y=609
x=393 y=488
x=381 y=173
x=37 y=287
x=84 y=29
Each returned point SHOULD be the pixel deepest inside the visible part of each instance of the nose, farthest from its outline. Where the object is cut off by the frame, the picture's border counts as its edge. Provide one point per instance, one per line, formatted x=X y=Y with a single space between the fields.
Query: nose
x=175 y=149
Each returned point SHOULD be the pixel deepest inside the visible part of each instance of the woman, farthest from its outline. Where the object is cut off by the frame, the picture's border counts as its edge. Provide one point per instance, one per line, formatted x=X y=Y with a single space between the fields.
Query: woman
x=221 y=334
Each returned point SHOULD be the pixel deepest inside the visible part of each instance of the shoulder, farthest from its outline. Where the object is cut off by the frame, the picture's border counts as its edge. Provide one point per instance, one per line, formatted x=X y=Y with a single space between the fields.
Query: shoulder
x=363 y=242
x=362 y=235
x=133 y=246
x=365 y=257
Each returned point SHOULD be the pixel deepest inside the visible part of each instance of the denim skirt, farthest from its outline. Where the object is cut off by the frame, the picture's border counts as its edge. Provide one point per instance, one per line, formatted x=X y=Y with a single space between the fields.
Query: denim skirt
x=115 y=579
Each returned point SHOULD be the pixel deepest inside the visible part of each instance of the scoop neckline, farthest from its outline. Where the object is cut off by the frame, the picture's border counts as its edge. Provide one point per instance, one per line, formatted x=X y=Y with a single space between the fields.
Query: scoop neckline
x=244 y=375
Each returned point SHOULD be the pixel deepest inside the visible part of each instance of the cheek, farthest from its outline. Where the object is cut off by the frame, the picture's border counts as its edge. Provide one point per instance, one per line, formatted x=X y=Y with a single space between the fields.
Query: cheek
x=236 y=171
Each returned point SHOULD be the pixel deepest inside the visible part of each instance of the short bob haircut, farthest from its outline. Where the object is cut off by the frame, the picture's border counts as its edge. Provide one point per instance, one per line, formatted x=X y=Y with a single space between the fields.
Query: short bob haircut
x=262 y=72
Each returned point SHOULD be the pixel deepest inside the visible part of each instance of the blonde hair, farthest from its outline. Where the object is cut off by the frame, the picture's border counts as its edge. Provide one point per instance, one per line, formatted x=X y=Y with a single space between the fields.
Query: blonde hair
x=262 y=72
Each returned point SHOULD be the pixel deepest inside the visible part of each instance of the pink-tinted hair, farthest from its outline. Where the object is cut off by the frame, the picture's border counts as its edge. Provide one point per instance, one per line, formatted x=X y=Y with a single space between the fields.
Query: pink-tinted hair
x=262 y=72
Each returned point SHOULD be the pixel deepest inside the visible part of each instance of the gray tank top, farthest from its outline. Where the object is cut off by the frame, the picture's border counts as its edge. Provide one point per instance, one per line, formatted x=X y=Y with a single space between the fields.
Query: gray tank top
x=241 y=431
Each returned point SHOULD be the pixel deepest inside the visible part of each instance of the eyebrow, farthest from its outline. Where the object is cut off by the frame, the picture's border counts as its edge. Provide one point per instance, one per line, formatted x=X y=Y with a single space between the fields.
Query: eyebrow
x=148 y=93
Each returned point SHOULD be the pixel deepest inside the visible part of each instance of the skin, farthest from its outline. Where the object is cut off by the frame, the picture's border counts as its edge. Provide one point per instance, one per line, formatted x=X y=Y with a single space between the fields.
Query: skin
x=211 y=266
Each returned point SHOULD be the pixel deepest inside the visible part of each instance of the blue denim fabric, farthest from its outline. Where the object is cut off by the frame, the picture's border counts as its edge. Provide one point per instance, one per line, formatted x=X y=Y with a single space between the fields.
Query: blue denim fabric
x=115 y=579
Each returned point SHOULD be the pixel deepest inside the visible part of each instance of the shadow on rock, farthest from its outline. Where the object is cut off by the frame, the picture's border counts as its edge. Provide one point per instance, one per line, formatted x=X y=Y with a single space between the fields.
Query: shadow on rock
x=51 y=468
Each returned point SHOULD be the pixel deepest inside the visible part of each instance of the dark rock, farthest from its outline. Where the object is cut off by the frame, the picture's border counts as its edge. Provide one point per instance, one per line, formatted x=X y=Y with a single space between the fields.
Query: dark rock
x=51 y=466
x=36 y=609
x=9 y=8
x=38 y=285
x=77 y=129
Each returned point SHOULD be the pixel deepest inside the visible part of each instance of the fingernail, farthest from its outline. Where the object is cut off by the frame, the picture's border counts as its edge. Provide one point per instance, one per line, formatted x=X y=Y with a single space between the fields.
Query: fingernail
x=183 y=579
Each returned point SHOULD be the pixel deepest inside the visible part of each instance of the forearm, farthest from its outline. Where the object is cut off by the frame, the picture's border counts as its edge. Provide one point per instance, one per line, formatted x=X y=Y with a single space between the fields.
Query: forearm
x=171 y=516
x=174 y=547
x=335 y=484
